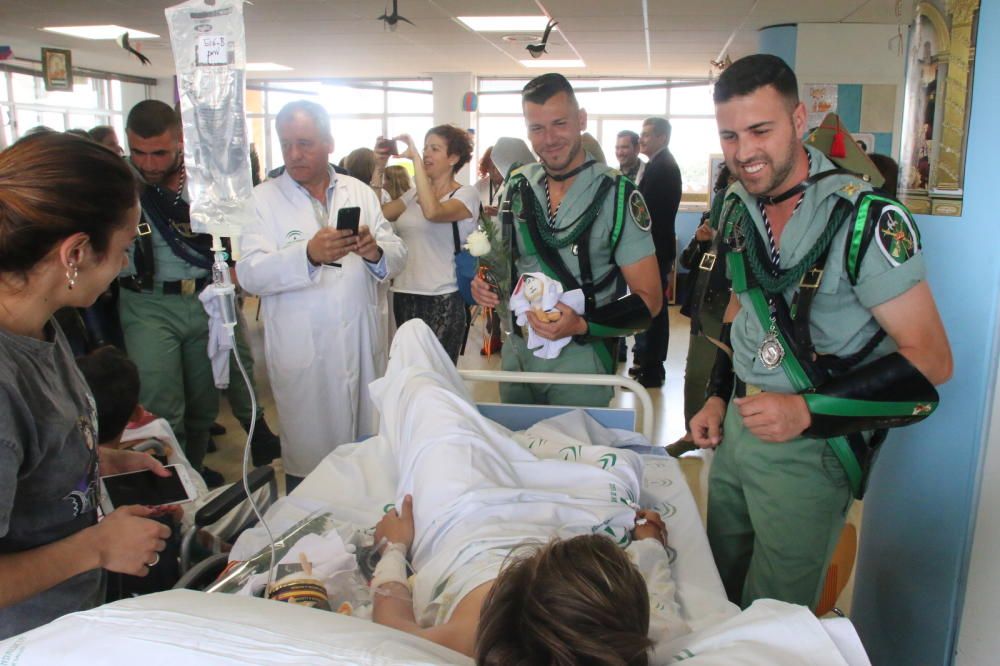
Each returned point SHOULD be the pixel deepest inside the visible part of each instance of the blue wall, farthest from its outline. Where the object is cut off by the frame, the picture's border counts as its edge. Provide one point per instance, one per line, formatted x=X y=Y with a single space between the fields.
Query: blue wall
x=920 y=509
x=779 y=40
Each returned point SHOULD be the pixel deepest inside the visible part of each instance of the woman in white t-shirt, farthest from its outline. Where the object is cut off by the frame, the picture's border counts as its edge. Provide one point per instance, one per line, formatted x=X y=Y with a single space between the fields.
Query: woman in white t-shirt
x=425 y=218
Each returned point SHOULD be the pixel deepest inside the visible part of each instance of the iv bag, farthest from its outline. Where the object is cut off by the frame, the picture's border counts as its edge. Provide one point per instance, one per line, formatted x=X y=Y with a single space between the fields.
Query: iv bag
x=209 y=46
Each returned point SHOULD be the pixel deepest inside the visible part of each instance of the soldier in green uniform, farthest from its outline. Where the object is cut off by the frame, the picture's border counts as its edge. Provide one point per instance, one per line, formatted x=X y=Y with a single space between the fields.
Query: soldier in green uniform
x=584 y=224
x=835 y=337
x=164 y=324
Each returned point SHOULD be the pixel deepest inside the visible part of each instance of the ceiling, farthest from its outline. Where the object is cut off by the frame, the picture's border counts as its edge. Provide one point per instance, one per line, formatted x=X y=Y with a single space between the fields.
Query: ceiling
x=341 y=38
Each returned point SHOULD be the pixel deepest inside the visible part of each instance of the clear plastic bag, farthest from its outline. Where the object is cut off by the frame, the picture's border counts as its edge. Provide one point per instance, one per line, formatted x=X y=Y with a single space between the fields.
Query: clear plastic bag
x=209 y=46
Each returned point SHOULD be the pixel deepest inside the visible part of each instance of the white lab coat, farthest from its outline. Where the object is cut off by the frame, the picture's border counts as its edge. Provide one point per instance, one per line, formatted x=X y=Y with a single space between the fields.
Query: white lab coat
x=323 y=344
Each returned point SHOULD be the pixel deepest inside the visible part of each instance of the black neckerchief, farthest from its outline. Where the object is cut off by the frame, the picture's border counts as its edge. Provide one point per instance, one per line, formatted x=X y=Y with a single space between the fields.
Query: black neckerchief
x=567 y=176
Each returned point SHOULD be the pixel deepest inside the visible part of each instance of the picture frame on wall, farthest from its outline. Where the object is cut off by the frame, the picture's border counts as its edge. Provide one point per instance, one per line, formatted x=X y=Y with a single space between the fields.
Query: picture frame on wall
x=939 y=75
x=57 y=69
x=715 y=163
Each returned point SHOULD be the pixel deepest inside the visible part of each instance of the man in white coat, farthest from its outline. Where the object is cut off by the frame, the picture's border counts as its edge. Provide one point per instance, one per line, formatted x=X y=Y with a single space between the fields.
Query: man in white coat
x=317 y=285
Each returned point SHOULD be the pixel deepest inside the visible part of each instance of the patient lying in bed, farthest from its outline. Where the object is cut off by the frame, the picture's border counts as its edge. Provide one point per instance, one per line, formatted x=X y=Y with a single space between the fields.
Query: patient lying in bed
x=517 y=545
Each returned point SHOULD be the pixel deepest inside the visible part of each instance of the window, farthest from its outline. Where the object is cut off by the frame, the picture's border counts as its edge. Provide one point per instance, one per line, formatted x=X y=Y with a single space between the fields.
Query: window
x=25 y=104
x=613 y=105
x=360 y=111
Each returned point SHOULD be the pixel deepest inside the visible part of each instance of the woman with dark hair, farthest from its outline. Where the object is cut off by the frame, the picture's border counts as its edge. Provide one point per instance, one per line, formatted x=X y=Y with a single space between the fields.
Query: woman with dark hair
x=428 y=218
x=68 y=214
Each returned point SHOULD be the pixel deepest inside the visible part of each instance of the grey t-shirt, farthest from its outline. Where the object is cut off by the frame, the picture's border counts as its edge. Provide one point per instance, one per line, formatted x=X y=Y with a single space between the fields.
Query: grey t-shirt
x=48 y=467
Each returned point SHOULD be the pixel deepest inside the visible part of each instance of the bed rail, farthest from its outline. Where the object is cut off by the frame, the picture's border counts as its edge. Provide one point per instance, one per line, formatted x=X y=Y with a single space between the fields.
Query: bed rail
x=567 y=378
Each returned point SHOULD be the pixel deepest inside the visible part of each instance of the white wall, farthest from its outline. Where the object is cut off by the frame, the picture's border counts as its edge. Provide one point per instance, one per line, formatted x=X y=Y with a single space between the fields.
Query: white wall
x=853 y=53
x=449 y=87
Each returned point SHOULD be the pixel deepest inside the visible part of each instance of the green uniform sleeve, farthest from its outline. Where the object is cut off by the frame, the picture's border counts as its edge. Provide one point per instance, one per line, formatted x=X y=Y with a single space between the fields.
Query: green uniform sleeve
x=635 y=242
x=894 y=263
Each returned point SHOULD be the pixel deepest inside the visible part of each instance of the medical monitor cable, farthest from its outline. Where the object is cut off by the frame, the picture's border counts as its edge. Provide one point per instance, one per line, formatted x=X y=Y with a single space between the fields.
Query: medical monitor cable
x=226 y=292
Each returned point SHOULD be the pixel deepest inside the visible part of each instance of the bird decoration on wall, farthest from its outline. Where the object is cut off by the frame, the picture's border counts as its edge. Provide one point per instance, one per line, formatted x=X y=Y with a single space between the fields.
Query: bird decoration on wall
x=124 y=43
x=722 y=63
x=392 y=20
x=536 y=50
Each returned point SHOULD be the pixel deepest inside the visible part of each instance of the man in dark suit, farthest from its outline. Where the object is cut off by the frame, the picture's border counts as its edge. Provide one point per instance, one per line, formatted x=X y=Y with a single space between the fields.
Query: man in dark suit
x=661 y=188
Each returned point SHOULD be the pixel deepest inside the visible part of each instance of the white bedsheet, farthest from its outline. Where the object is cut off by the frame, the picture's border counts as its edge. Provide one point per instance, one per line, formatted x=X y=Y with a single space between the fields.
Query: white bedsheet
x=184 y=627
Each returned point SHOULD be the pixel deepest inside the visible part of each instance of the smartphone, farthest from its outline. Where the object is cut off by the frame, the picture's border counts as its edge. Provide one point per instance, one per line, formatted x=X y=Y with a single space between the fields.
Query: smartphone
x=148 y=489
x=390 y=145
x=348 y=218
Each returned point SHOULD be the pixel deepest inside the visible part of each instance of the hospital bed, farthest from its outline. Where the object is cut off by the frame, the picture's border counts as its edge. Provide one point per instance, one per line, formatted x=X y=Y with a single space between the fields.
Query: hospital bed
x=184 y=626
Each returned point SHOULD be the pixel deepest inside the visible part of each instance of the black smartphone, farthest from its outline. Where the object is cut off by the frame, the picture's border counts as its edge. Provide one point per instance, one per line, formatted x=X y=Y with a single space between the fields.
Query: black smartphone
x=349 y=218
x=144 y=487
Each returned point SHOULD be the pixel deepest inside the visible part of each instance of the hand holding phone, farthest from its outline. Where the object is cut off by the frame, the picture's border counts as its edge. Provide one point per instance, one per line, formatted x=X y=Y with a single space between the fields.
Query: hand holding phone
x=389 y=147
x=128 y=542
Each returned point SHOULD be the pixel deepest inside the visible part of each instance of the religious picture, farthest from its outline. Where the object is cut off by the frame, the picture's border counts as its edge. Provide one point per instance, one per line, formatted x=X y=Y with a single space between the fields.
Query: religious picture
x=936 y=112
x=57 y=69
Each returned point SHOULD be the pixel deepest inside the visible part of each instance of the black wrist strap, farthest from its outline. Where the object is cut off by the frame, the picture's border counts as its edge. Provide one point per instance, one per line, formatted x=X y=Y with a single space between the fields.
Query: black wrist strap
x=626 y=316
x=722 y=379
x=886 y=393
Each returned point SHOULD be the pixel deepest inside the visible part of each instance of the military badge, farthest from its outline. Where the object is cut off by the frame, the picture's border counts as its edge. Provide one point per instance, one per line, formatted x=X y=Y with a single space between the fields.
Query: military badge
x=895 y=235
x=637 y=209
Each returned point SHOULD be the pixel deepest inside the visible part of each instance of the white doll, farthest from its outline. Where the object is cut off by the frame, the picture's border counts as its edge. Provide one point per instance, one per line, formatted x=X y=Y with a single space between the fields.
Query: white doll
x=533 y=290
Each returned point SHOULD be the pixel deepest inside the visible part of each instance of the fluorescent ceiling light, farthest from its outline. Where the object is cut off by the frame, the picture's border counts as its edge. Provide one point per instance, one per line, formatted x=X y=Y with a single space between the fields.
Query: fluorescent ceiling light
x=101 y=32
x=267 y=67
x=505 y=23
x=552 y=64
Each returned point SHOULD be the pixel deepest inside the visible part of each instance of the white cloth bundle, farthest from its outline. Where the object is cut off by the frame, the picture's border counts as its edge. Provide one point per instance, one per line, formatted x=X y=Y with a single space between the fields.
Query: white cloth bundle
x=220 y=343
x=551 y=293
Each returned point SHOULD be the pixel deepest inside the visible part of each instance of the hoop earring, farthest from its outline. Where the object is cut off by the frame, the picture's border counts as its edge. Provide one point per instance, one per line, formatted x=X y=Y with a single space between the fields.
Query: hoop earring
x=71 y=274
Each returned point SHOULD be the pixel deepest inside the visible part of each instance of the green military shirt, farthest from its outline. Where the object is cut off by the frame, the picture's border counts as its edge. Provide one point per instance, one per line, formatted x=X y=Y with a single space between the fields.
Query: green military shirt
x=634 y=244
x=841 y=321
x=168 y=266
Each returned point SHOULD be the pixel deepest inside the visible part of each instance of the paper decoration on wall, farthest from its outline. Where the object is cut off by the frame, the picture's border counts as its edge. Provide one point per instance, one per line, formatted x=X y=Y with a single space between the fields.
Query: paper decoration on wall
x=470 y=102
x=821 y=99
x=6 y=52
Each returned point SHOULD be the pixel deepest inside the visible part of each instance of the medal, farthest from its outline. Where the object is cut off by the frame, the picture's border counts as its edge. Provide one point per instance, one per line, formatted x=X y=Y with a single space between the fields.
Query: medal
x=770 y=352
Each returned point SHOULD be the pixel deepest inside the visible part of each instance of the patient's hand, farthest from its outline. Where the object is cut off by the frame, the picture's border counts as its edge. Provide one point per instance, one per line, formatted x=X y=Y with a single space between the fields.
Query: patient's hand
x=397 y=527
x=652 y=528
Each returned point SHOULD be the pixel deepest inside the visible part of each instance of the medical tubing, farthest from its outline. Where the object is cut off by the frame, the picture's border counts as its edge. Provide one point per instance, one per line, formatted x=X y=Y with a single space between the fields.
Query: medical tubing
x=246 y=461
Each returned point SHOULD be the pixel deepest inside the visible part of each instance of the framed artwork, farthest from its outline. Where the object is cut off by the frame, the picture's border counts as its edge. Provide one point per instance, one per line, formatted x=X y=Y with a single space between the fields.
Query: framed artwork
x=715 y=164
x=57 y=69
x=939 y=71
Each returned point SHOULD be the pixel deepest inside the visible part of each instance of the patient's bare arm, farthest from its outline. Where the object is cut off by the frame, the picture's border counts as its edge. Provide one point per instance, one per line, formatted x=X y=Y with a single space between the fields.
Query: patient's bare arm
x=393 y=603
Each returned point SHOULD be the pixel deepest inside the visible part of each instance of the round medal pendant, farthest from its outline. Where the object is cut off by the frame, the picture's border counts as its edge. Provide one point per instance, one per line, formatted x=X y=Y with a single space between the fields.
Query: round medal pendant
x=770 y=352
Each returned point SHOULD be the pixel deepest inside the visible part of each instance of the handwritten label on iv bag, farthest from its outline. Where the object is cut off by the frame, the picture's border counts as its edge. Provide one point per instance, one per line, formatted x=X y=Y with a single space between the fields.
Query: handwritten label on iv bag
x=211 y=50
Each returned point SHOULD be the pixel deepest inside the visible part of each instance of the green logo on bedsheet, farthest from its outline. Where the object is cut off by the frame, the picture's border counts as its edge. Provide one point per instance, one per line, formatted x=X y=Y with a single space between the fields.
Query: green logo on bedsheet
x=665 y=509
x=683 y=655
x=621 y=539
x=570 y=453
x=608 y=460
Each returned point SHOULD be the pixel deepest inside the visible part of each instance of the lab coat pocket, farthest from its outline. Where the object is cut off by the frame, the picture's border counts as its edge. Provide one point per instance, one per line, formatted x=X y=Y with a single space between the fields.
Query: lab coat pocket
x=290 y=344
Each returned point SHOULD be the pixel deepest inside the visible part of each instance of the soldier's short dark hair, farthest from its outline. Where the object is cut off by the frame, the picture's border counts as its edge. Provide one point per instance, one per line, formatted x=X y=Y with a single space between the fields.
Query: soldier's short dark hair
x=150 y=118
x=753 y=72
x=542 y=88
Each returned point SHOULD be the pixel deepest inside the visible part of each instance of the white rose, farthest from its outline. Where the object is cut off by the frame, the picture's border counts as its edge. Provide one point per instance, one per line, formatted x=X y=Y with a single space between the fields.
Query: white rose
x=478 y=243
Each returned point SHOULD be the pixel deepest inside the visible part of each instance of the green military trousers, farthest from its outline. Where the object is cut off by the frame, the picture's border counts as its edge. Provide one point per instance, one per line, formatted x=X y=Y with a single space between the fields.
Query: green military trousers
x=573 y=359
x=167 y=338
x=697 y=372
x=775 y=514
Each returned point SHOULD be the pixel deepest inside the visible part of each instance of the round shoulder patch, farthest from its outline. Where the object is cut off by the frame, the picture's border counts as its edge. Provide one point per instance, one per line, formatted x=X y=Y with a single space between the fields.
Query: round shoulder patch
x=895 y=235
x=638 y=211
